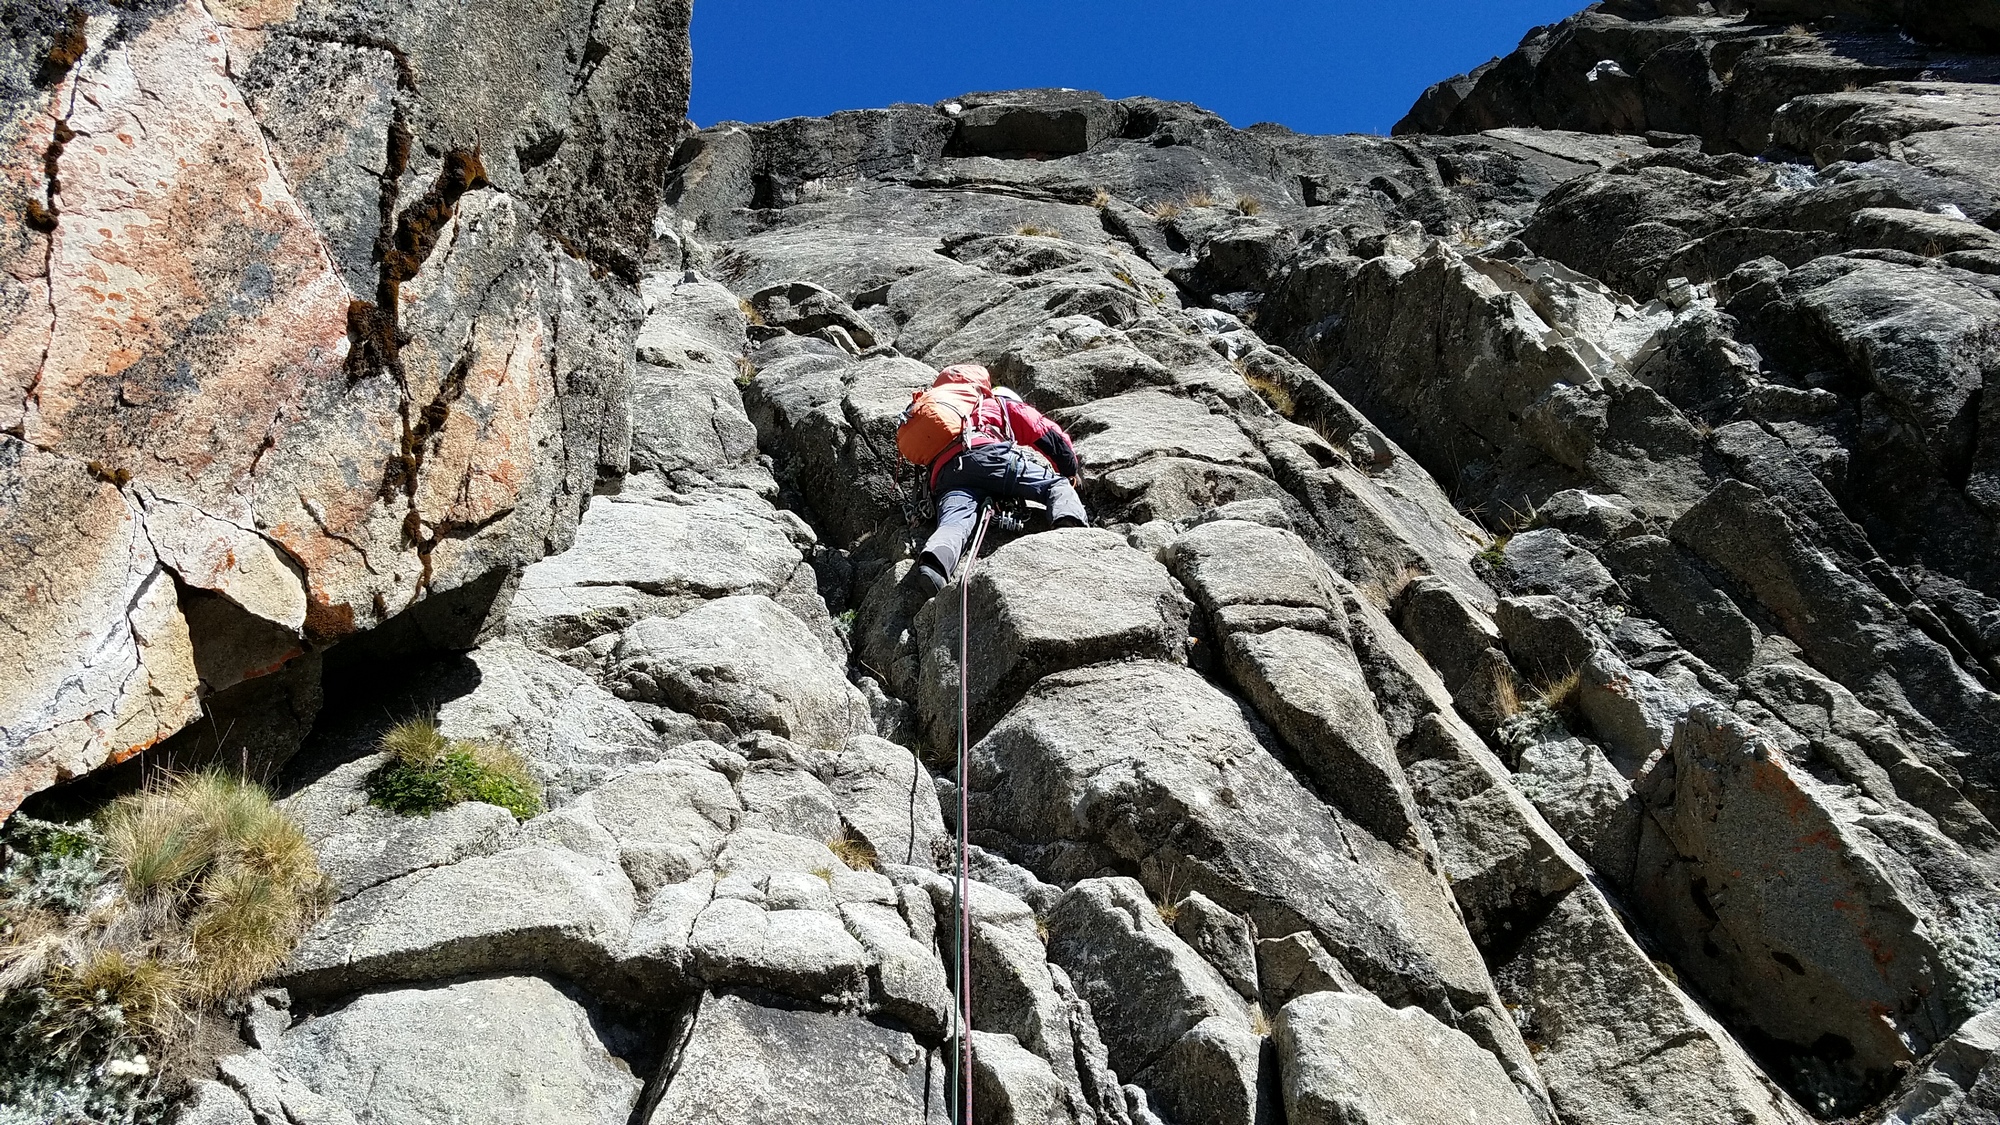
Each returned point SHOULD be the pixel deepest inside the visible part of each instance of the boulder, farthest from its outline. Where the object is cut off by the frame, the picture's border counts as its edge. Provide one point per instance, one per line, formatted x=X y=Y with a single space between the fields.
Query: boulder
x=689 y=428
x=806 y=309
x=1737 y=805
x=657 y=557
x=1223 y=939
x=742 y=663
x=1146 y=987
x=374 y=846
x=1350 y=1058
x=1219 y=1071
x=1296 y=964
x=574 y=733
x=526 y=908
x=325 y=435
x=1148 y=423
x=906 y=979
x=1503 y=862
x=746 y=1064
x=1077 y=360
x=807 y=954
x=1958 y=1082
x=666 y=821
x=1666 y=584
x=1038 y=605
x=503 y=1049
x=1545 y=561
x=1845 y=625
x=1013 y=1086
x=1614 y=1035
x=1311 y=688
x=1042 y=123
x=887 y=796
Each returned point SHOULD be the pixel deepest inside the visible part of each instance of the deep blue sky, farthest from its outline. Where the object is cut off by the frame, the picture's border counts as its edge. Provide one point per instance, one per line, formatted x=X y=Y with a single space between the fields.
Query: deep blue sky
x=1318 y=66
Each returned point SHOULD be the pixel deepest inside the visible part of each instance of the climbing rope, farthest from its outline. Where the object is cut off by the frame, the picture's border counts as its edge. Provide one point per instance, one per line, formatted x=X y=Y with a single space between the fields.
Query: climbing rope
x=961 y=901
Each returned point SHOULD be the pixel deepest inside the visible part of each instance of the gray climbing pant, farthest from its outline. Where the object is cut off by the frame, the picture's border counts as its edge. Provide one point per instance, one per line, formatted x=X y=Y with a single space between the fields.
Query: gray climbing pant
x=999 y=469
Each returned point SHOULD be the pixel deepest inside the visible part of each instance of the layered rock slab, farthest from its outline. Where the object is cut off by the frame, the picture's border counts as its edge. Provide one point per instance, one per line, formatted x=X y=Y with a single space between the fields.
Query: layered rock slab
x=498 y=1050
x=1148 y=764
x=1352 y=1059
x=748 y=1063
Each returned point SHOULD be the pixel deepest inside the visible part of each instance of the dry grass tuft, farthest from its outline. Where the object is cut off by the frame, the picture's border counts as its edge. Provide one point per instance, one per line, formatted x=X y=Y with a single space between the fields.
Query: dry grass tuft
x=857 y=853
x=417 y=742
x=1270 y=390
x=150 y=995
x=1259 y=1022
x=220 y=868
x=1199 y=198
x=116 y=940
x=1563 y=696
x=1249 y=204
x=1164 y=210
x=1506 y=696
x=1101 y=200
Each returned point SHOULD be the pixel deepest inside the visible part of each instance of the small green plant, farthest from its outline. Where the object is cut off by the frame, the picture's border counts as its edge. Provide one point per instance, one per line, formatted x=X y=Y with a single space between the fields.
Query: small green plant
x=1495 y=554
x=53 y=867
x=427 y=771
x=745 y=371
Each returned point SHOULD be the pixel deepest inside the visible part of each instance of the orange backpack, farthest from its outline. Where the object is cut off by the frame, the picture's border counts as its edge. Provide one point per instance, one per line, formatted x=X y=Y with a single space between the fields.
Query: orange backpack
x=937 y=417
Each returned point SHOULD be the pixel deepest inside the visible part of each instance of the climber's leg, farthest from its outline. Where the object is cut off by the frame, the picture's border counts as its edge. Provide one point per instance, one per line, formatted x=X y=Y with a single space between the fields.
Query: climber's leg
x=958 y=510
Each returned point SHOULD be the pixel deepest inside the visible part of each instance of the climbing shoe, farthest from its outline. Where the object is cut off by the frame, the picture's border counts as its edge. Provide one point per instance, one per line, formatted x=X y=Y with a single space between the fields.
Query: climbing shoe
x=932 y=575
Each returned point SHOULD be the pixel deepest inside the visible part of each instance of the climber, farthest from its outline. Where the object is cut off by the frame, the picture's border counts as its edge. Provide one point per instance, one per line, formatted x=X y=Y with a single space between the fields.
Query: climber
x=977 y=443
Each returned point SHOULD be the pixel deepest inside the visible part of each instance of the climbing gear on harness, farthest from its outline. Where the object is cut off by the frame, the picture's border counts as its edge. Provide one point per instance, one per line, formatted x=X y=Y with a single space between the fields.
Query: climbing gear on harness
x=961 y=903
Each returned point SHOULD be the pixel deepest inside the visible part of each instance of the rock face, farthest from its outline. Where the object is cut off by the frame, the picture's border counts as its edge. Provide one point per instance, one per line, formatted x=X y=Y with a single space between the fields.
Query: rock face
x=1534 y=661
x=310 y=312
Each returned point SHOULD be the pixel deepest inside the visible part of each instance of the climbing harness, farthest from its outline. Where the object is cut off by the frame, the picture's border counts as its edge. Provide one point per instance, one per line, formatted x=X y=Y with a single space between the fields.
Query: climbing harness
x=961 y=902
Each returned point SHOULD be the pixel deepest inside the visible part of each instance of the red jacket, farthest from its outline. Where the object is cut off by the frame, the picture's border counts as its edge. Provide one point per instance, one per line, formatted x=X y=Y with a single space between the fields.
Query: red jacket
x=1002 y=416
